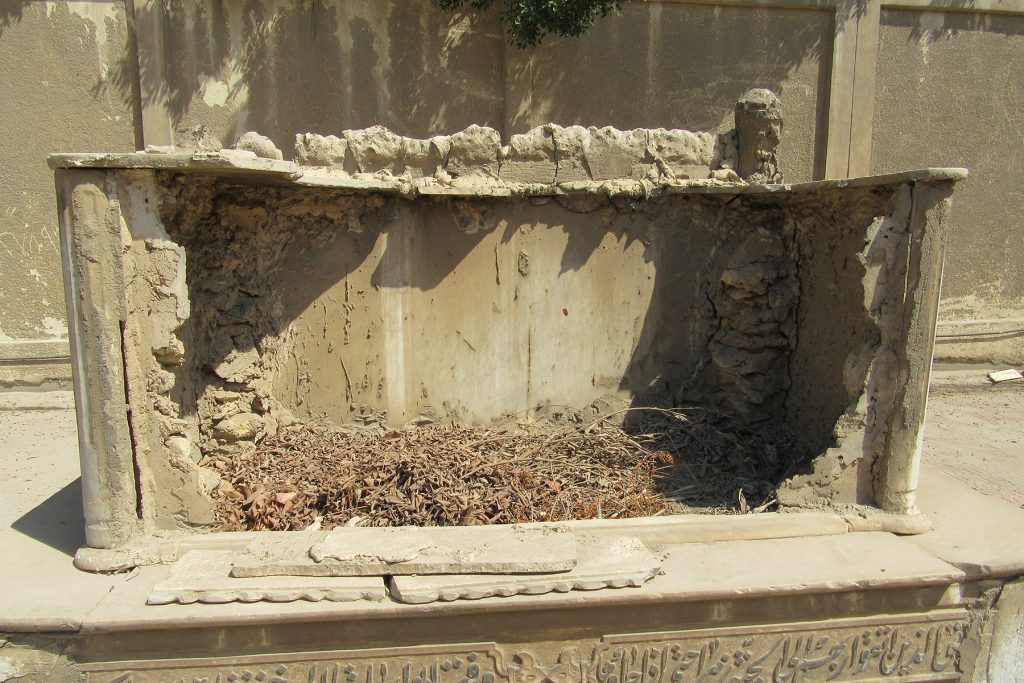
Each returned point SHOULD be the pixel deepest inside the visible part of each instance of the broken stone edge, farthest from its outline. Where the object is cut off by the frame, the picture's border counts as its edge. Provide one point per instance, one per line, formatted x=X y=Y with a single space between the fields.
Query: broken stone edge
x=616 y=562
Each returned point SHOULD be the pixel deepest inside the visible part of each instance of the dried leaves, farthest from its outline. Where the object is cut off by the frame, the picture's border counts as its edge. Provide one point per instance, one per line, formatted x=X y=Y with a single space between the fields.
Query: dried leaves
x=659 y=461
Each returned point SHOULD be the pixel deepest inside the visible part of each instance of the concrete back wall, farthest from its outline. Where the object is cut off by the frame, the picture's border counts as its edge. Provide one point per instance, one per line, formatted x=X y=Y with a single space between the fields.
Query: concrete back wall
x=475 y=326
x=288 y=67
x=58 y=71
x=866 y=88
x=936 y=100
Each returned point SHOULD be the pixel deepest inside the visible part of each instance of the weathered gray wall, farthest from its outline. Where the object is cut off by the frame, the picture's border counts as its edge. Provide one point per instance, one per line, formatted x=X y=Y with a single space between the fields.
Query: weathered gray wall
x=950 y=92
x=282 y=68
x=672 y=65
x=289 y=67
x=866 y=89
x=58 y=66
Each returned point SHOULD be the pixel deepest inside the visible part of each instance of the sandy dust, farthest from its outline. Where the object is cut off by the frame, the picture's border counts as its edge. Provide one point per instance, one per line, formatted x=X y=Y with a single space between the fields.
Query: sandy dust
x=975 y=432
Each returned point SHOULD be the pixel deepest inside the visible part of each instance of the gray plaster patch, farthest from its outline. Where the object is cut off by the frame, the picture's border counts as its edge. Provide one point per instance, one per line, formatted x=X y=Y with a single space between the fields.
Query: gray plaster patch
x=204 y=576
x=602 y=562
x=450 y=550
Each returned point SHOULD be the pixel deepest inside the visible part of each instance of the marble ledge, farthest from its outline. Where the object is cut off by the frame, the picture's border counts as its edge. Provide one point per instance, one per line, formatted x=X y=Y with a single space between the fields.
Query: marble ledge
x=701 y=573
x=234 y=165
x=674 y=529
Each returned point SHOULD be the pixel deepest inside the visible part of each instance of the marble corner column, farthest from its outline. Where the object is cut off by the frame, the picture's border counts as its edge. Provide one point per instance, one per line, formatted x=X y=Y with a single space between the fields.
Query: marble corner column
x=94 y=290
x=896 y=478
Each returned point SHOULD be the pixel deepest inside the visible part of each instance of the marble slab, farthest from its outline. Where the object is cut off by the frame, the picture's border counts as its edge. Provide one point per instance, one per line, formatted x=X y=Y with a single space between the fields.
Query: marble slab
x=204 y=576
x=519 y=549
x=602 y=562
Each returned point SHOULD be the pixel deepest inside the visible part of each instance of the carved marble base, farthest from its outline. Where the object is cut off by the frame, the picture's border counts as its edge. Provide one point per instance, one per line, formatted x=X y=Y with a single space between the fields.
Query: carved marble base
x=918 y=647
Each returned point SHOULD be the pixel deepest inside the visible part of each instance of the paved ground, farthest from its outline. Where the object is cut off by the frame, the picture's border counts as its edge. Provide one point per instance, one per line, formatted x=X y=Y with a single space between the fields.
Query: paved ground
x=39 y=448
x=975 y=432
x=41 y=523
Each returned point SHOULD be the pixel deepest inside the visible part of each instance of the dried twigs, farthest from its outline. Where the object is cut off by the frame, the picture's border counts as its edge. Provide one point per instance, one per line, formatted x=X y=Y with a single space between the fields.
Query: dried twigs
x=635 y=462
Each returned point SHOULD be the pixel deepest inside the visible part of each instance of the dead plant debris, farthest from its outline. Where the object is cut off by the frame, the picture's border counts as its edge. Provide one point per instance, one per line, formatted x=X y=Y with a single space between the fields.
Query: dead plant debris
x=636 y=462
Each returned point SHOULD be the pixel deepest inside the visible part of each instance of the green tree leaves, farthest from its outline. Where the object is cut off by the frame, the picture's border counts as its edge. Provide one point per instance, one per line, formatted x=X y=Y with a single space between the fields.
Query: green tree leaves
x=529 y=21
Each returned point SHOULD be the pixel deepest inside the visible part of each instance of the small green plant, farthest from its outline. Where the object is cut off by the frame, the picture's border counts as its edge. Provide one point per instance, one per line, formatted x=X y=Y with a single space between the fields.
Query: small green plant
x=528 y=21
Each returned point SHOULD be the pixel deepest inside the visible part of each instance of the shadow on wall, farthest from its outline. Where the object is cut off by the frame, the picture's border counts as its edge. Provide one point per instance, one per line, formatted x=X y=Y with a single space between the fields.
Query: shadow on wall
x=242 y=261
x=285 y=68
x=964 y=15
x=329 y=65
x=11 y=12
x=668 y=65
x=266 y=259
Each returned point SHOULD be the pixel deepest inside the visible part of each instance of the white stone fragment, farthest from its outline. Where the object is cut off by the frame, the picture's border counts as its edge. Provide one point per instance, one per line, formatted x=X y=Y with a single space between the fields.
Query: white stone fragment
x=571 y=146
x=473 y=153
x=1004 y=376
x=204 y=576
x=320 y=150
x=614 y=154
x=260 y=145
x=603 y=562
x=238 y=427
x=529 y=157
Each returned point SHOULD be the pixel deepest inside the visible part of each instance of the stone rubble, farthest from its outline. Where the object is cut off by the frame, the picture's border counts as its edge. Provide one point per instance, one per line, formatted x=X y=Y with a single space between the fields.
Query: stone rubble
x=541 y=156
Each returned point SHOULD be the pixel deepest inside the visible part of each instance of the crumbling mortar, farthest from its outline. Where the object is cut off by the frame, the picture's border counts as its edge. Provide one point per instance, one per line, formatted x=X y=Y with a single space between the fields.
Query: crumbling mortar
x=866 y=414
x=244 y=399
x=799 y=308
x=748 y=300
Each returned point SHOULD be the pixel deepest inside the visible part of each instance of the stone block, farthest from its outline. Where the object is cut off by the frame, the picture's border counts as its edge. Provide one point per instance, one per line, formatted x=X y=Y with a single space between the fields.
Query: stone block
x=379 y=150
x=473 y=153
x=320 y=150
x=238 y=427
x=683 y=153
x=530 y=157
x=260 y=145
x=371 y=545
x=571 y=145
x=374 y=149
x=603 y=562
x=615 y=154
